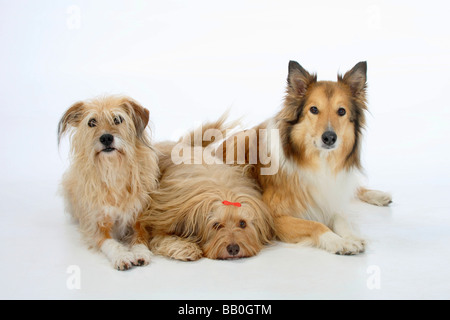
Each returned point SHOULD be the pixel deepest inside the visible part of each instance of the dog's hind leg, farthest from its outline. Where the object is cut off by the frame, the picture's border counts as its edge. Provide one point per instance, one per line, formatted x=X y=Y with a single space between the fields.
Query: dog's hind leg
x=175 y=247
x=295 y=230
x=375 y=197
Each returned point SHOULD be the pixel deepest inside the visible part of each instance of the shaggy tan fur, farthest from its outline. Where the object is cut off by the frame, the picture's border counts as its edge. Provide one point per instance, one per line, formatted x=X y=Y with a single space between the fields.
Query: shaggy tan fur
x=188 y=220
x=106 y=189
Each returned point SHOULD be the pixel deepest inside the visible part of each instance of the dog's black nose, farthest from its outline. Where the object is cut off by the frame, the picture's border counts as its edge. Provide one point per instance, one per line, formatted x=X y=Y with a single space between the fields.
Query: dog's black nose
x=329 y=138
x=107 y=139
x=233 y=249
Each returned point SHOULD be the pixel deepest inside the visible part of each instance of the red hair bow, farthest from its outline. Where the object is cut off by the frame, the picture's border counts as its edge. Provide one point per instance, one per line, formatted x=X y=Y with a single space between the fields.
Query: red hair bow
x=228 y=203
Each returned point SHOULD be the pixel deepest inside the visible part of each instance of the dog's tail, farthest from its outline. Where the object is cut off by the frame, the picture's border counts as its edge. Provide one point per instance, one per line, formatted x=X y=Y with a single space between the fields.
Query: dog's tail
x=211 y=132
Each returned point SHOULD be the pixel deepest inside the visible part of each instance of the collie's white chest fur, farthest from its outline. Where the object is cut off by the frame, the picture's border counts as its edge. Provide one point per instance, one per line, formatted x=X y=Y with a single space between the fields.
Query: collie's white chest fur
x=329 y=193
x=325 y=192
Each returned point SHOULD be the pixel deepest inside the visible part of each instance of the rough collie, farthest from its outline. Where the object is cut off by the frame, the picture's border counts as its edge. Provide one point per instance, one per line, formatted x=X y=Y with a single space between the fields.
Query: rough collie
x=112 y=174
x=317 y=153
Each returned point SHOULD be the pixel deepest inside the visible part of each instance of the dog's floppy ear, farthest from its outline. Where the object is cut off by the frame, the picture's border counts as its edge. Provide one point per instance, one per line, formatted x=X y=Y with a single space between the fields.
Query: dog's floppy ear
x=299 y=79
x=356 y=79
x=71 y=117
x=139 y=114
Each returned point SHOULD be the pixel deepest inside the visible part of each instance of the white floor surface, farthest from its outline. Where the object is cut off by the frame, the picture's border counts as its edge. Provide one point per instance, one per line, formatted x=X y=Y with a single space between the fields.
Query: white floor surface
x=407 y=258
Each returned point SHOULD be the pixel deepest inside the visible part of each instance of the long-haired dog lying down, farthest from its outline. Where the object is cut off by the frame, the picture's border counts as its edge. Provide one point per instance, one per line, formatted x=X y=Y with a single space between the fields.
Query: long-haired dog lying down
x=202 y=210
x=320 y=132
x=112 y=174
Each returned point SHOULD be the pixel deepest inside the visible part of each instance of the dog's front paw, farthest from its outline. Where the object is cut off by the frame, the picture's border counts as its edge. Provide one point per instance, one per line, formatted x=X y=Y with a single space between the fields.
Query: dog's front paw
x=120 y=256
x=142 y=255
x=124 y=262
x=333 y=243
x=176 y=248
x=187 y=252
x=353 y=245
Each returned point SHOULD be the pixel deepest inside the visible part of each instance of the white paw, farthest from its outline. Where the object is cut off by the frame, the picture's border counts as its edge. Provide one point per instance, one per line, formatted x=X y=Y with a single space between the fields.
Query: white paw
x=333 y=243
x=124 y=261
x=142 y=255
x=377 y=198
x=358 y=243
x=120 y=256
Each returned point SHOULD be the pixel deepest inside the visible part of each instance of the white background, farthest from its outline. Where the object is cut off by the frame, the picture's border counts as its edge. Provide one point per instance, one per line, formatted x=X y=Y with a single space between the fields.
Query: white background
x=189 y=61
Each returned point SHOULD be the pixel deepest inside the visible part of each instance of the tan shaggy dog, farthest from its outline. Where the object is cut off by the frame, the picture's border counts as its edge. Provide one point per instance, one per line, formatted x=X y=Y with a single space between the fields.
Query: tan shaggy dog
x=206 y=210
x=112 y=174
x=318 y=143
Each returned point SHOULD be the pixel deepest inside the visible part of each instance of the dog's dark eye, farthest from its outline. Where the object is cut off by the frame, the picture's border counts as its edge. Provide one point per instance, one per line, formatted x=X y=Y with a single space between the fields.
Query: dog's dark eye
x=314 y=110
x=118 y=120
x=92 y=123
x=341 y=112
x=217 y=226
x=242 y=224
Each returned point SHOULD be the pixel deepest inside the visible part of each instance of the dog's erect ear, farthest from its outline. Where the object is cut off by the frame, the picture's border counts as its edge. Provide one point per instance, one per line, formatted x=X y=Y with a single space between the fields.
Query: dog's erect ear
x=299 y=79
x=139 y=114
x=71 y=117
x=356 y=78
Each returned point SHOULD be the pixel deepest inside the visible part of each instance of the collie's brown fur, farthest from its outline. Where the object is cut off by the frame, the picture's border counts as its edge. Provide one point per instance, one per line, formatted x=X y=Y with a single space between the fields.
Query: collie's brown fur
x=107 y=186
x=317 y=177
